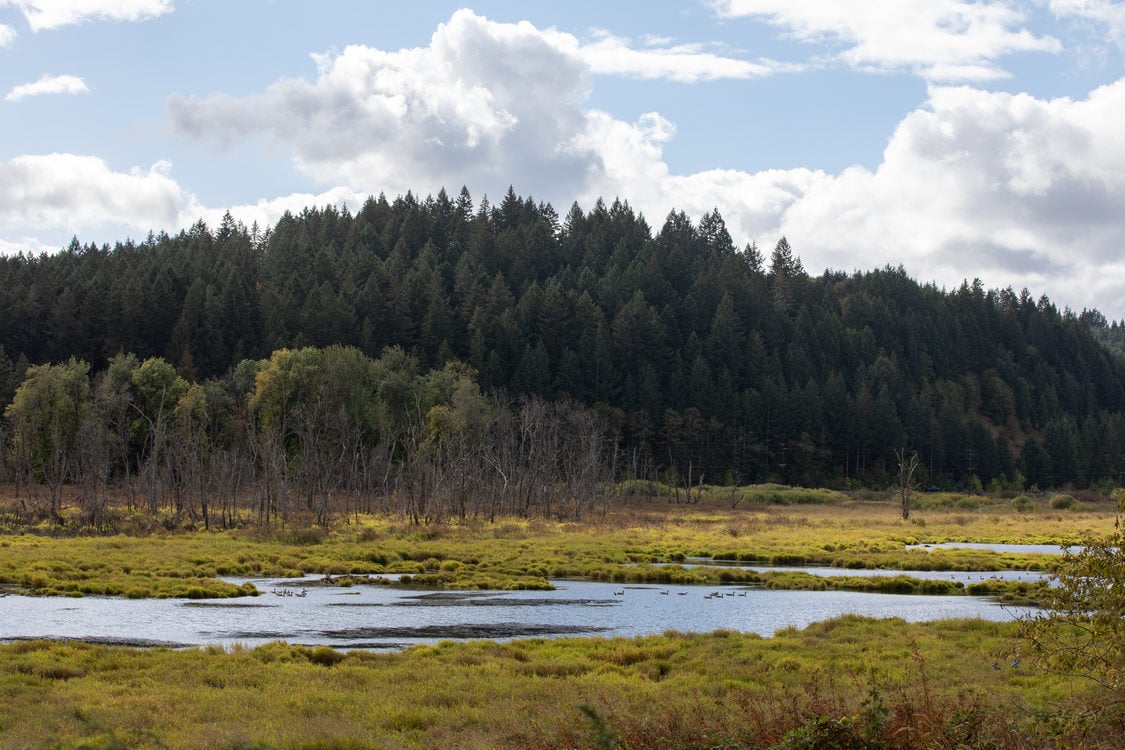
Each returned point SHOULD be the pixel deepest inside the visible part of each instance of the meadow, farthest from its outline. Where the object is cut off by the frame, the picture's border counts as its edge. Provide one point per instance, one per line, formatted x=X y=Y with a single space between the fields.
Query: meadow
x=639 y=542
x=845 y=683
x=849 y=682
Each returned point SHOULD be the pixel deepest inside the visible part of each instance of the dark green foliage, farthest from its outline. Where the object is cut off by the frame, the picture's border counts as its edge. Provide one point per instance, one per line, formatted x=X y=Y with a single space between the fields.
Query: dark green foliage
x=706 y=359
x=604 y=737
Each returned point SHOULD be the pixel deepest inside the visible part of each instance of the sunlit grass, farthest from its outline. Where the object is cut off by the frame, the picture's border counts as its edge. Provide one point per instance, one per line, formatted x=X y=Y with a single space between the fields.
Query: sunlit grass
x=944 y=684
x=648 y=542
x=743 y=689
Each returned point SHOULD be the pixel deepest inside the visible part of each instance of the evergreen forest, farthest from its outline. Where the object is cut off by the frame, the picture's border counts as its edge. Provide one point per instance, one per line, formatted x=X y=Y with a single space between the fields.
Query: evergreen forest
x=341 y=348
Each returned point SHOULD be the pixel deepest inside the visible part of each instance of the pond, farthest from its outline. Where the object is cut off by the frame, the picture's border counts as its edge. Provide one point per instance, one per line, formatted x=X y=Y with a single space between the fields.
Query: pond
x=1021 y=549
x=383 y=617
x=965 y=577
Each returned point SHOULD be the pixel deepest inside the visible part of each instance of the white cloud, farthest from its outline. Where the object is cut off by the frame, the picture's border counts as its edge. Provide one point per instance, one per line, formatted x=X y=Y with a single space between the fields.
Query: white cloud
x=941 y=40
x=1111 y=13
x=48 y=85
x=25 y=245
x=267 y=211
x=686 y=63
x=72 y=195
x=487 y=104
x=484 y=104
x=79 y=192
x=7 y=34
x=50 y=14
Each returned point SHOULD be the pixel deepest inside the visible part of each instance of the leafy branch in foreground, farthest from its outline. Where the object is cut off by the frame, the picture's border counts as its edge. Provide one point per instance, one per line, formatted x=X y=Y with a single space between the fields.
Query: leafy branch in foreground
x=1081 y=632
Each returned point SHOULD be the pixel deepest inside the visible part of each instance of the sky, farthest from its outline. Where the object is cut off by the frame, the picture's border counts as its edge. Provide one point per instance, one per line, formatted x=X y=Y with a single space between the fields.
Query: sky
x=959 y=139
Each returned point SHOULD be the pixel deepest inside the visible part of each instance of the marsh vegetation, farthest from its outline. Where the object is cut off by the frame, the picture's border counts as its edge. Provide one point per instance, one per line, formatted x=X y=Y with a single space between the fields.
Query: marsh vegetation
x=850 y=681
x=651 y=540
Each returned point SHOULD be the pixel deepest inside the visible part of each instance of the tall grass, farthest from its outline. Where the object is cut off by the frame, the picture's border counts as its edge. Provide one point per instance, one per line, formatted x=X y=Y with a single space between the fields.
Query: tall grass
x=887 y=683
x=640 y=543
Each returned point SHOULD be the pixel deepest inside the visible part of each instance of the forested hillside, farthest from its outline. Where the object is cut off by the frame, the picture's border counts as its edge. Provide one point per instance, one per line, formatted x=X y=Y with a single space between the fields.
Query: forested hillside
x=704 y=361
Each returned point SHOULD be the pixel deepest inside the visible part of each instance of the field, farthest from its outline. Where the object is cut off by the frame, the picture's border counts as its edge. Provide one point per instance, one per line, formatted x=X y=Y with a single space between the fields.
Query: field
x=510 y=553
x=903 y=685
x=846 y=683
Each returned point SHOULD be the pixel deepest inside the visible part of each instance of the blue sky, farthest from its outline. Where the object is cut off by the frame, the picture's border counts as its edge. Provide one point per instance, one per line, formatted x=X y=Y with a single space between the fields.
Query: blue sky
x=959 y=138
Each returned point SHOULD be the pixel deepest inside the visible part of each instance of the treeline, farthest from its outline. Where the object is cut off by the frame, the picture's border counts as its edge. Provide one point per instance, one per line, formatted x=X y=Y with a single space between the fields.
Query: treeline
x=312 y=433
x=710 y=362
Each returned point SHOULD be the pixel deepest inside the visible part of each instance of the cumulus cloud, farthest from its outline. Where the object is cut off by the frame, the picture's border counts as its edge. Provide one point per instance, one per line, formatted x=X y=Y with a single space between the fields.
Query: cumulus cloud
x=48 y=84
x=267 y=211
x=74 y=195
x=484 y=103
x=26 y=245
x=50 y=14
x=941 y=40
x=686 y=63
x=7 y=34
x=77 y=192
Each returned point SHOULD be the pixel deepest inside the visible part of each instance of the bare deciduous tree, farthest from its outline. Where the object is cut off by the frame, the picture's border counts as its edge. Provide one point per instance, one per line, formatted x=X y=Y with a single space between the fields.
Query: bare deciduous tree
x=907 y=467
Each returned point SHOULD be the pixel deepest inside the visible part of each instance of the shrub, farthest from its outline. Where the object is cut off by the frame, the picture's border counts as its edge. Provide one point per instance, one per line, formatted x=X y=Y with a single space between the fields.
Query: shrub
x=60 y=672
x=308 y=536
x=1082 y=628
x=1062 y=501
x=325 y=656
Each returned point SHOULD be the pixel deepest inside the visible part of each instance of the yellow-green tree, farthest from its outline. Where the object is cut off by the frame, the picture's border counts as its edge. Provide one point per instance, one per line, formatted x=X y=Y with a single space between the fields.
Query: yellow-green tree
x=46 y=416
x=190 y=449
x=157 y=389
x=315 y=410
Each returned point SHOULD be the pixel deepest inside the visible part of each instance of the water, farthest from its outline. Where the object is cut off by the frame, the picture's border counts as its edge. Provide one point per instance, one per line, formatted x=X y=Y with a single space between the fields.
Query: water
x=1022 y=549
x=965 y=577
x=380 y=617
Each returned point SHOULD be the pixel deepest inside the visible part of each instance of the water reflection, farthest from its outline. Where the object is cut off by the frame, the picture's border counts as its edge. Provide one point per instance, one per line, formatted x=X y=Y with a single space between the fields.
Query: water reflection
x=965 y=577
x=381 y=617
x=1020 y=549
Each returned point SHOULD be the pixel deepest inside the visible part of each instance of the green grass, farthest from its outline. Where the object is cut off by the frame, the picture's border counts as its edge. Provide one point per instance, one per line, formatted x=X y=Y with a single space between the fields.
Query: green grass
x=850 y=682
x=644 y=543
x=885 y=677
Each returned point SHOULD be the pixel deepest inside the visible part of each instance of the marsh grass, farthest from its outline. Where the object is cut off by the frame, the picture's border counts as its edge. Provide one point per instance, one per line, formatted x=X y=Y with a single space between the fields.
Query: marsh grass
x=646 y=542
x=850 y=682
x=880 y=680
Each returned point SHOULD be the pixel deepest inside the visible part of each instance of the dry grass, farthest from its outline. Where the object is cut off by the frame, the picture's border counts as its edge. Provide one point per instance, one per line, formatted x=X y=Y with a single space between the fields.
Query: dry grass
x=526 y=553
x=897 y=684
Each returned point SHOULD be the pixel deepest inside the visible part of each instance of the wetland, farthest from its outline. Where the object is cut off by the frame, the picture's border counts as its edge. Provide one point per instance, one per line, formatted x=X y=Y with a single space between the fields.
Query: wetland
x=662 y=625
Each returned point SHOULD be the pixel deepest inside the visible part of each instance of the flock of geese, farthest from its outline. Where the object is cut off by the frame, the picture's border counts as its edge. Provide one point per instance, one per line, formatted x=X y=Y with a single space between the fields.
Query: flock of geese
x=708 y=595
x=289 y=592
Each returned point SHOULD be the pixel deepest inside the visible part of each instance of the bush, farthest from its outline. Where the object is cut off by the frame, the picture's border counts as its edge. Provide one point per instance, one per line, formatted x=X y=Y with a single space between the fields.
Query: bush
x=1082 y=628
x=325 y=656
x=60 y=672
x=1062 y=502
x=307 y=536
